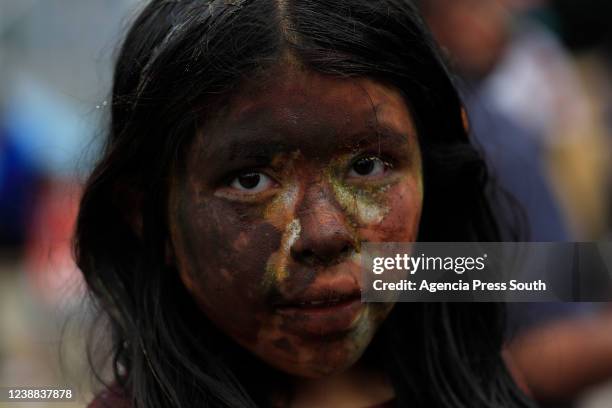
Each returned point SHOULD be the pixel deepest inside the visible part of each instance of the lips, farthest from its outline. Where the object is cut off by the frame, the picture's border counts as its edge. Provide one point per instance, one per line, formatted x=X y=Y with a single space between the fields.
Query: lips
x=318 y=304
x=319 y=298
x=323 y=309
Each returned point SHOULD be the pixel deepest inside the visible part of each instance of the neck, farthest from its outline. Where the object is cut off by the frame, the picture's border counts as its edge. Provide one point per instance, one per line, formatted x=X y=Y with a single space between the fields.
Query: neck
x=357 y=387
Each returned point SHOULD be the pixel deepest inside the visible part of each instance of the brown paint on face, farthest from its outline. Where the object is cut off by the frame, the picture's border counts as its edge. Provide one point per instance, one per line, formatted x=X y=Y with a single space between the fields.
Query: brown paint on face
x=218 y=254
x=251 y=256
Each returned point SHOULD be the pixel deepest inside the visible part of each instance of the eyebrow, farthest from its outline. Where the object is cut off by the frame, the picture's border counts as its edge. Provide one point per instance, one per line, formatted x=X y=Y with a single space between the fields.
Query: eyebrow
x=384 y=134
x=262 y=148
x=255 y=148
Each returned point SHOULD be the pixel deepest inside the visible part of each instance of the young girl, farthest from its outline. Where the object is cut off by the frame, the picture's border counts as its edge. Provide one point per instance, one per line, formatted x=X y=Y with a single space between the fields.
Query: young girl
x=254 y=146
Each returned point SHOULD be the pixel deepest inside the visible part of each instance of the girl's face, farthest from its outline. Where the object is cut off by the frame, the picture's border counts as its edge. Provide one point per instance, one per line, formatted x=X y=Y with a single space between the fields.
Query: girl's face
x=279 y=192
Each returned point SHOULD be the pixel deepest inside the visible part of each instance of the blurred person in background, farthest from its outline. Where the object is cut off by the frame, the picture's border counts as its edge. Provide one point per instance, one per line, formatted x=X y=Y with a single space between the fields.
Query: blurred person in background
x=518 y=69
x=585 y=28
x=528 y=110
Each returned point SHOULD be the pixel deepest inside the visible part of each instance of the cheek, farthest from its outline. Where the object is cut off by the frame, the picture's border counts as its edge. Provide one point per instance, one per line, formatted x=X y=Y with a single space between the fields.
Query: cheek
x=222 y=253
x=403 y=203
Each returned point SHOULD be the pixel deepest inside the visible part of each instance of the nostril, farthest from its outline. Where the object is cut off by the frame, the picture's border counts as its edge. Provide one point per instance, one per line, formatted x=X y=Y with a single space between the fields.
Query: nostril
x=323 y=256
x=334 y=255
x=305 y=256
x=346 y=251
x=308 y=254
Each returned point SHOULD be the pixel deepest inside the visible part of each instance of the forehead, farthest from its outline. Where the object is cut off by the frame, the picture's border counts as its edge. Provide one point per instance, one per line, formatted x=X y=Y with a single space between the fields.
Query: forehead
x=309 y=111
x=289 y=93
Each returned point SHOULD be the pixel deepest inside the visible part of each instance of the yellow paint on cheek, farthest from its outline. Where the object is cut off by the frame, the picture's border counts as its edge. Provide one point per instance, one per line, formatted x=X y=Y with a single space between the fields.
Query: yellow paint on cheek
x=276 y=267
x=280 y=211
x=364 y=208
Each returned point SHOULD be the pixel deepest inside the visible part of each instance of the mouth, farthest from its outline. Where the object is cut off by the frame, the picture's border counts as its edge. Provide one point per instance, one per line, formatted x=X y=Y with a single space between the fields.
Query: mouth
x=322 y=312
x=323 y=301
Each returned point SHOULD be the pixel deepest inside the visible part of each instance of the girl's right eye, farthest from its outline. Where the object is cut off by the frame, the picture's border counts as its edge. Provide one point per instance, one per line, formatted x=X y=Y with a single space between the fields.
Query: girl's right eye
x=251 y=182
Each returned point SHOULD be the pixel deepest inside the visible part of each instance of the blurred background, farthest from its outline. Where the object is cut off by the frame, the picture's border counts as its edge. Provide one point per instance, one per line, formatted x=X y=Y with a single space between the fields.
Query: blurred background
x=55 y=77
x=536 y=77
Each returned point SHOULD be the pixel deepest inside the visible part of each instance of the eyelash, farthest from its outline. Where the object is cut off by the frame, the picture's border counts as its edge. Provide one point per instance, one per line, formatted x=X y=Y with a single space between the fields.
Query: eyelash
x=231 y=180
x=382 y=159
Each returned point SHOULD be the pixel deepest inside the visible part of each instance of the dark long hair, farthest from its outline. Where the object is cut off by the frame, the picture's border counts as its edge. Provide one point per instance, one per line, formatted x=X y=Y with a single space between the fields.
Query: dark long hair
x=179 y=60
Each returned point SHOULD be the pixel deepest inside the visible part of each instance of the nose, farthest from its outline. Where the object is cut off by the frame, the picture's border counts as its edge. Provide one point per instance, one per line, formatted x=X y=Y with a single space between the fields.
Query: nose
x=326 y=236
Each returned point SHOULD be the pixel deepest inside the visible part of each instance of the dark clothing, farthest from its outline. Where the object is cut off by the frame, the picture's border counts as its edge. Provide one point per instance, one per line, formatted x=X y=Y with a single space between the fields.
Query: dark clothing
x=115 y=397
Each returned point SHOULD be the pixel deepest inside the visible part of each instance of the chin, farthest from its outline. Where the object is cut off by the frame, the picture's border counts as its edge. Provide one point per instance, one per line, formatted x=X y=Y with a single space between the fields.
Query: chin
x=324 y=360
x=315 y=371
x=303 y=354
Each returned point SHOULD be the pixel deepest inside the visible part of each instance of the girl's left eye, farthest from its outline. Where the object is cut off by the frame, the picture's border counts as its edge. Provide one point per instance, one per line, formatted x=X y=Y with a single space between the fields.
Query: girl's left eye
x=252 y=182
x=368 y=167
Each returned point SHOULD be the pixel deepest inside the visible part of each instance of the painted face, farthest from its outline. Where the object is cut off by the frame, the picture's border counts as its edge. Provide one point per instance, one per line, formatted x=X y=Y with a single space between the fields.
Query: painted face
x=278 y=194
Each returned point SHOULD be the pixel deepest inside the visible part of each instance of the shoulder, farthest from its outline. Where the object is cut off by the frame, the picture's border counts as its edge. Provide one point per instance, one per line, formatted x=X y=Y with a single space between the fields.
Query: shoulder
x=111 y=397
